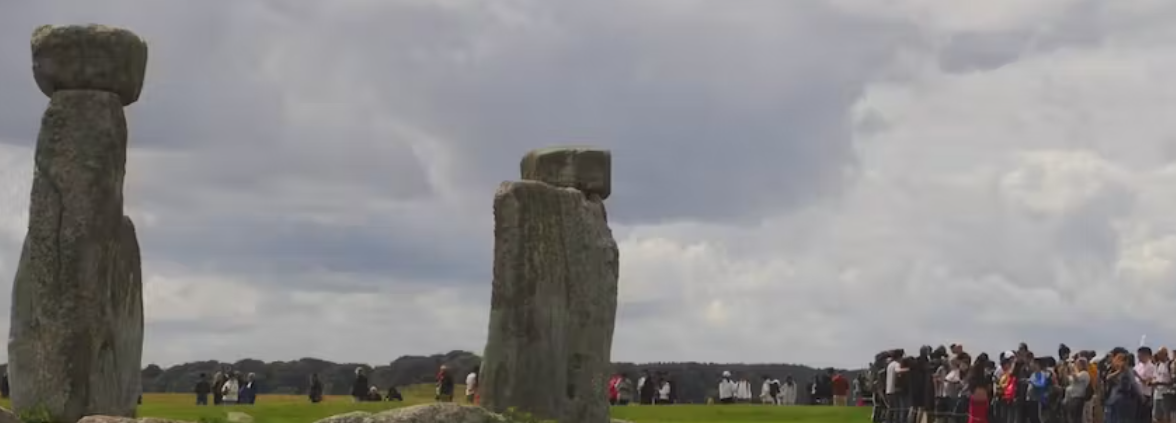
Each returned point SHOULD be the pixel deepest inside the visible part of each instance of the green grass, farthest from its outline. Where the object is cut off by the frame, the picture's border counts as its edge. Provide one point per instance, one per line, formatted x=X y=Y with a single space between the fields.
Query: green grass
x=296 y=409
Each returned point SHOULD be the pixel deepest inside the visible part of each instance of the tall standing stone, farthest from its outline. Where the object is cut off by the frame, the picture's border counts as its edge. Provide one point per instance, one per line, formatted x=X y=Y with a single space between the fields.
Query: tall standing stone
x=76 y=340
x=553 y=307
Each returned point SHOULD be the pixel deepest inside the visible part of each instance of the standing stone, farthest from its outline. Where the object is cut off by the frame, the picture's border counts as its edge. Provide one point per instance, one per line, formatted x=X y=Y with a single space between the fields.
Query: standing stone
x=553 y=306
x=76 y=340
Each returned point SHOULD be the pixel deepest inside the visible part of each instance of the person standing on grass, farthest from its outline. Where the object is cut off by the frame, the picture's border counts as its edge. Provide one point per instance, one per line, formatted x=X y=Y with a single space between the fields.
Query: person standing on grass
x=202 y=389
x=359 y=387
x=472 y=385
x=316 y=389
x=840 y=387
x=788 y=391
x=249 y=390
x=5 y=389
x=444 y=385
x=624 y=390
x=218 y=384
x=727 y=389
x=230 y=390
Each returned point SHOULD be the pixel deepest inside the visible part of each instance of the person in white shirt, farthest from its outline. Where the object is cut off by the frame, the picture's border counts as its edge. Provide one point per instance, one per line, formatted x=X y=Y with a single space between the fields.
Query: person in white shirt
x=472 y=384
x=727 y=389
x=230 y=389
x=788 y=391
x=1145 y=374
x=896 y=403
x=1162 y=394
x=663 y=392
x=743 y=390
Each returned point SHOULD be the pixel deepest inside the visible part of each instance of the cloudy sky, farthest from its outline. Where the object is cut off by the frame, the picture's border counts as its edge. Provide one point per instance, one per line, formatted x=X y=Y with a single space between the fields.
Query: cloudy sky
x=800 y=181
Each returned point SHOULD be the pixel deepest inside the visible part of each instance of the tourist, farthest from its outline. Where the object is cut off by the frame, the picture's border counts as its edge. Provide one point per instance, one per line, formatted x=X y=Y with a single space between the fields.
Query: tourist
x=230 y=390
x=727 y=389
x=248 y=393
x=444 y=385
x=202 y=389
x=788 y=391
x=1078 y=391
x=613 y=395
x=664 y=391
x=471 y=383
x=839 y=388
x=359 y=387
x=1162 y=394
x=1123 y=394
x=770 y=391
x=316 y=389
x=373 y=394
x=394 y=394
x=743 y=390
x=218 y=385
x=1145 y=375
x=646 y=388
x=896 y=400
x=5 y=390
x=624 y=390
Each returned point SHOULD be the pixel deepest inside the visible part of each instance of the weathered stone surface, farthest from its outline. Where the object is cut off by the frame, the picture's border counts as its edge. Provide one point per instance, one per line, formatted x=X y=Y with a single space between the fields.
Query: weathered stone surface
x=553 y=304
x=437 y=413
x=592 y=271
x=89 y=57
x=7 y=416
x=352 y=417
x=124 y=314
x=428 y=413
x=71 y=276
x=583 y=168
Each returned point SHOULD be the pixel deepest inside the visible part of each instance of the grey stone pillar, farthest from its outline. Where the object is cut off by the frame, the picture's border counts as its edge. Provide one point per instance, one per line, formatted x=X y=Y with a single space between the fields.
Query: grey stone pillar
x=553 y=307
x=76 y=340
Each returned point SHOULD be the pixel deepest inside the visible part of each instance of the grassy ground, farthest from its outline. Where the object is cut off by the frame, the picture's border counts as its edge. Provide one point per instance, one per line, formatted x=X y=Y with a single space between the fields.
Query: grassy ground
x=296 y=409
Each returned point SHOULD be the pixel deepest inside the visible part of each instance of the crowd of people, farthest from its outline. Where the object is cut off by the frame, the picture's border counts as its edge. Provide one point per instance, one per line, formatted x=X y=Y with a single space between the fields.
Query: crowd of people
x=226 y=388
x=948 y=385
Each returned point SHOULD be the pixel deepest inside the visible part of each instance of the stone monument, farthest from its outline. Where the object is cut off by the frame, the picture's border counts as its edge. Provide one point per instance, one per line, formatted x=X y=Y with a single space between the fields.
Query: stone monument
x=554 y=301
x=76 y=340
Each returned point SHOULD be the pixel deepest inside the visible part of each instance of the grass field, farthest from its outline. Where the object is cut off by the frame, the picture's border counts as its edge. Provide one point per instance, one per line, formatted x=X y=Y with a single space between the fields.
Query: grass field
x=296 y=409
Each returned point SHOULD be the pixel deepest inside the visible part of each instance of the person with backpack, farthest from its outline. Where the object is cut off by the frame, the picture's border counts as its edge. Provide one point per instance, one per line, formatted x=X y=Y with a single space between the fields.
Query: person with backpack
x=1122 y=397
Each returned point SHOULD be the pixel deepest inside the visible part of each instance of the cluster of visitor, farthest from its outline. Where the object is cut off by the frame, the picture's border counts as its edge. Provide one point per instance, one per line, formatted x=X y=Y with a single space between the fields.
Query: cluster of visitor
x=650 y=389
x=948 y=385
x=226 y=388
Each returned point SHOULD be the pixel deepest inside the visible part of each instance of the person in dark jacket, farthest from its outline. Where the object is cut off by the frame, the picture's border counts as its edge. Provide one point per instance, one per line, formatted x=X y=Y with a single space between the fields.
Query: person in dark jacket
x=316 y=389
x=648 y=389
x=218 y=382
x=359 y=389
x=248 y=391
x=444 y=385
x=5 y=390
x=394 y=395
x=202 y=389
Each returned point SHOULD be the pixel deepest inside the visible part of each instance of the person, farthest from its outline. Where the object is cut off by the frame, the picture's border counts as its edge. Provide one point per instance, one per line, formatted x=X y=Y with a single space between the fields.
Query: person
x=5 y=389
x=646 y=389
x=248 y=393
x=218 y=385
x=897 y=405
x=624 y=390
x=1122 y=392
x=839 y=387
x=788 y=391
x=359 y=387
x=773 y=391
x=613 y=395
x=394 y=394
x=202 y=389
x=444 y=385
x=1145 y=375
x=664 y=391
x=373 y=394
x=1078 y=391
x=743 y=390
x=316 y=389
x=472 y=385
x=1162 y=384
x=726 y=389
x=230 y=391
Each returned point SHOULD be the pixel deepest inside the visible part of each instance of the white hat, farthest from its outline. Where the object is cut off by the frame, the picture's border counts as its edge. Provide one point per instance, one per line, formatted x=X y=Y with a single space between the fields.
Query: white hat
x=726 y=373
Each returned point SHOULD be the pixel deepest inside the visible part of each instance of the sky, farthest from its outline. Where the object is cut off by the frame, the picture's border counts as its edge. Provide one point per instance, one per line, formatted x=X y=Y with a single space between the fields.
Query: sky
x=804 y=181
